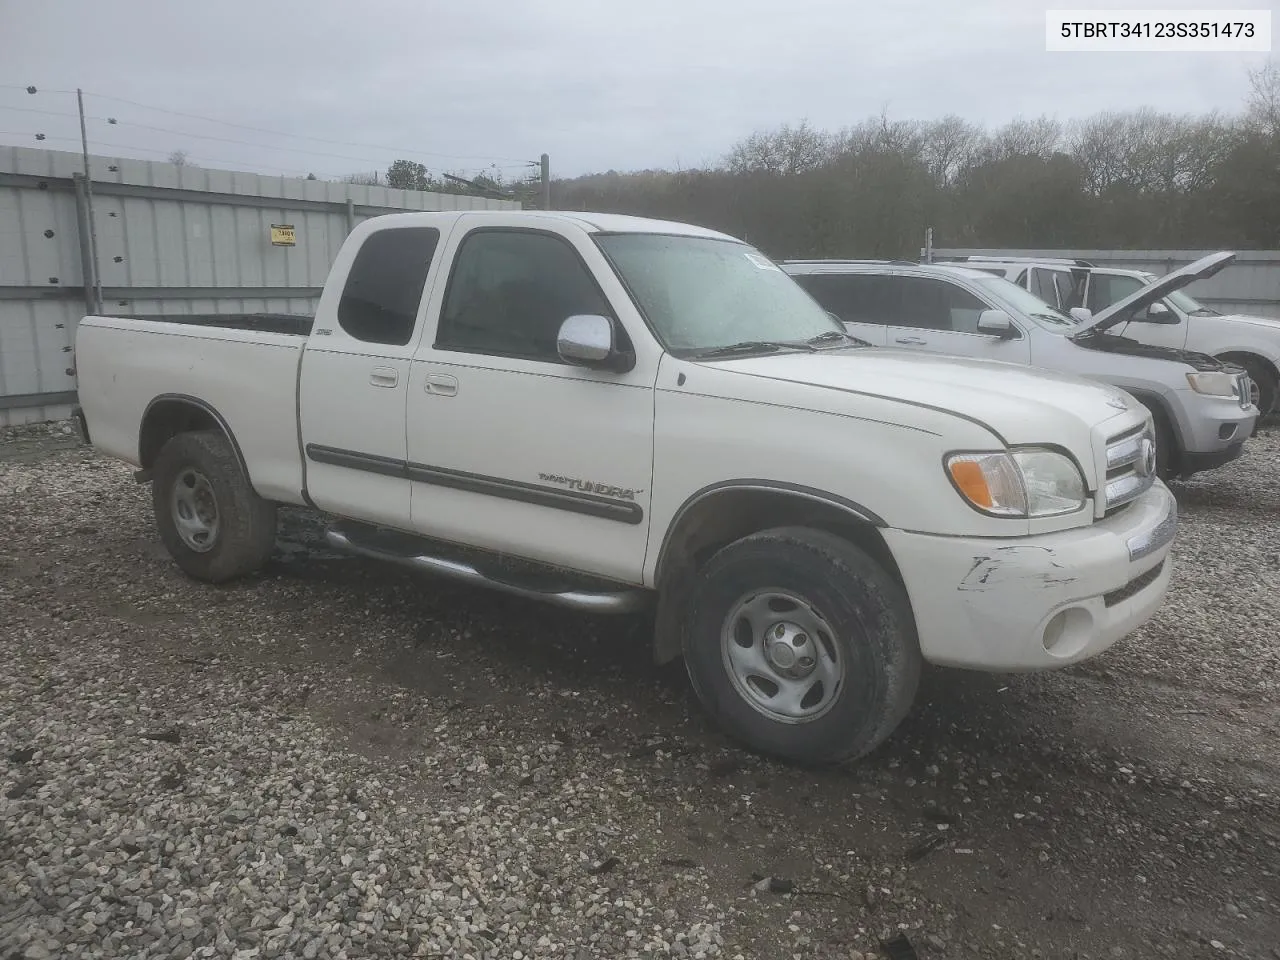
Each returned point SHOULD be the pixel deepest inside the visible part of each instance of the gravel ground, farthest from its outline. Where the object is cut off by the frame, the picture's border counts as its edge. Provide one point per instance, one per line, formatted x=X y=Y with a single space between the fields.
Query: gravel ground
x=336 y=759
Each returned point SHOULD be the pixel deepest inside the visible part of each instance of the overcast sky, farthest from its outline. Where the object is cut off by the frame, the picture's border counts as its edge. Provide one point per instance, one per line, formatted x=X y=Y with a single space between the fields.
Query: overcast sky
x=597 y=84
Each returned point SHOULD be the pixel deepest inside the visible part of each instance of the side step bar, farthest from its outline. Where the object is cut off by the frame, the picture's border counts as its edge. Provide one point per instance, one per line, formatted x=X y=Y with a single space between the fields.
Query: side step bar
x=428 y=557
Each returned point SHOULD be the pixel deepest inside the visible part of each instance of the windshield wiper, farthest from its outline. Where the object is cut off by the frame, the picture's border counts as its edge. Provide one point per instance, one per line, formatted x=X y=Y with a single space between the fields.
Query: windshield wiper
x=749 y=346
x=833 y=336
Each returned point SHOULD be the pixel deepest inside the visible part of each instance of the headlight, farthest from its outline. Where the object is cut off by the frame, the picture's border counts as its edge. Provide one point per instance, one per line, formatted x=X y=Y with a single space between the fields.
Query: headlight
x=1213 y=384
x=1054 y=484
x=1030 y=482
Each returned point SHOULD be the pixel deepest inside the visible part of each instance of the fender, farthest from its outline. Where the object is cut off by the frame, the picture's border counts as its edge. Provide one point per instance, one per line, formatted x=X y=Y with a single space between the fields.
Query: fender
x=144 y=475
x=1149 y=400
x=854 y=510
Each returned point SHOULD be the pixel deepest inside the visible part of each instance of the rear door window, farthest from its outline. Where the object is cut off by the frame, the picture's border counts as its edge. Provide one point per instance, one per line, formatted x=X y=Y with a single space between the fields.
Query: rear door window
x=384 y=286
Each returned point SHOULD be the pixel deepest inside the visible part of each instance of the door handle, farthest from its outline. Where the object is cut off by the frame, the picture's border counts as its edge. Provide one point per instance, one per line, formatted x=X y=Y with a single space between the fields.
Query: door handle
x=384 y=377
x=911 y=341
x=441 y=385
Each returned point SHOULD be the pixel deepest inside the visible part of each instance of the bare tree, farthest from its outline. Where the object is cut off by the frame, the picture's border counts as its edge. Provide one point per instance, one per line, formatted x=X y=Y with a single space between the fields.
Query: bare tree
x=1041 y=137
x=1100 y=144
x=1264 y=98
x=179 y=158
x=787 y=150
x=949 y=146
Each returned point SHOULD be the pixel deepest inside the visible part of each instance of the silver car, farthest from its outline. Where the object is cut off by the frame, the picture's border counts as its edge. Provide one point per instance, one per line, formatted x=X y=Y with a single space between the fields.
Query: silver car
x=1202 y=408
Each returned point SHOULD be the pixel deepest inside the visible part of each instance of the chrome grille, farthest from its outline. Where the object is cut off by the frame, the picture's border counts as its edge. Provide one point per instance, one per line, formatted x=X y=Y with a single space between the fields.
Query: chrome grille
x=1130 y=468
x=1244 y=389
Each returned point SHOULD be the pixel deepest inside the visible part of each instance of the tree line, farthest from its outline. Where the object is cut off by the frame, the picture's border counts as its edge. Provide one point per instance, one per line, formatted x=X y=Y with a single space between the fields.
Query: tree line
x=1137 y=179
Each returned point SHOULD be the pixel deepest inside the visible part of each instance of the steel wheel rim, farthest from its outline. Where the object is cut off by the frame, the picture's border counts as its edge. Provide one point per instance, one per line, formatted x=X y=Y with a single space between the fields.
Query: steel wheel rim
x=194 y=509
x=782 y=656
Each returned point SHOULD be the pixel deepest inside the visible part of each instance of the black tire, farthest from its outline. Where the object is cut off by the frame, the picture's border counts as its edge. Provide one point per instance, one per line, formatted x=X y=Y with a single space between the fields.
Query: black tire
x=244 y=533
x=872 y=628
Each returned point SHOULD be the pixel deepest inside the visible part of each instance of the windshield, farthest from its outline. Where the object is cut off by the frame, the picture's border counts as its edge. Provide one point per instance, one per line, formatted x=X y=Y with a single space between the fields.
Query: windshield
x=1023 y=303
x=1190 y=305
x=1183 y=302
x=699 y=293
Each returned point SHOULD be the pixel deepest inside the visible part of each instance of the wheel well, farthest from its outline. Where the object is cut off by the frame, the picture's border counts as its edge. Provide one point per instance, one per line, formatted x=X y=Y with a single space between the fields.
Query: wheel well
x=1160 y=413
x=1242 y=357
x=722 y=517
x=167 y=417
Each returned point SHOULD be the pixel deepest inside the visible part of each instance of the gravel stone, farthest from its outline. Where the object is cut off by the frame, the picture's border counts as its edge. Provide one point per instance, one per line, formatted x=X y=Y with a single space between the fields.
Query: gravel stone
x=356 y=762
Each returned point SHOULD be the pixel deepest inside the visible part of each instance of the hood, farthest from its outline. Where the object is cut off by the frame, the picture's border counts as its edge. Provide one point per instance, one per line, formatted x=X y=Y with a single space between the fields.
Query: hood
x=1095 y=339
x=1268 y=323
x=1125 y=308
x=1020 y=404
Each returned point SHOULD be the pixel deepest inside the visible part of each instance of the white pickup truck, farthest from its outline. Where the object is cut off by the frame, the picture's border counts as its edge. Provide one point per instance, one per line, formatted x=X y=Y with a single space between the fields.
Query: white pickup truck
x=616 y=414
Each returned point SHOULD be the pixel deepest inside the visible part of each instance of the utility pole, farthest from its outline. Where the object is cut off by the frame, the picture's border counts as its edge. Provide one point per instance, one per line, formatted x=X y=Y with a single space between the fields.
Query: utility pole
x=546 y=182
x=94 y=278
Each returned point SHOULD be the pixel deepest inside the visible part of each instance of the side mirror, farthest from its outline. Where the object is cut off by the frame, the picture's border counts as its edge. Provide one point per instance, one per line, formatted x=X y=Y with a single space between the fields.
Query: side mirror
x=587 y=340
x=1157 y=312
x=997 y=323
x=1081 y=314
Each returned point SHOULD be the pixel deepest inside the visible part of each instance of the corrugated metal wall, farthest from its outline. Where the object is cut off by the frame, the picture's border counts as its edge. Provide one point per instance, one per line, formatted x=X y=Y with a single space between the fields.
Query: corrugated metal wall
x=171 y=239
x=1251 y=285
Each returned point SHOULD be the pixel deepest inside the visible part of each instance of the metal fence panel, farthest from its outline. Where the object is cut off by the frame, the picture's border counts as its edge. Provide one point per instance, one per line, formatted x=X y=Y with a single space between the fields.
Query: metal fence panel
x=1250 y=285
x=171 y=239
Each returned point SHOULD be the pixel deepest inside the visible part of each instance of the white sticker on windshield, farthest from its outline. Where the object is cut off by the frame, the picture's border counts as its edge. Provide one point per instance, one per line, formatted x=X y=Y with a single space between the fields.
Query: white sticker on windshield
x=762 y=262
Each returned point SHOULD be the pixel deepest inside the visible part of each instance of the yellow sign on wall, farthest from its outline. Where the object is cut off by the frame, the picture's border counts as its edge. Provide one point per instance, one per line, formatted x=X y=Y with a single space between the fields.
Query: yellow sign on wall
x=282 y=235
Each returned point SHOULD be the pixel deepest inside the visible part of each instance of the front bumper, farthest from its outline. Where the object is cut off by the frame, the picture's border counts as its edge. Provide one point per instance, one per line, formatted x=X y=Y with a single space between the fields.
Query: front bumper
x=1196 y=462
x=1039 y=602
x=1215 y=428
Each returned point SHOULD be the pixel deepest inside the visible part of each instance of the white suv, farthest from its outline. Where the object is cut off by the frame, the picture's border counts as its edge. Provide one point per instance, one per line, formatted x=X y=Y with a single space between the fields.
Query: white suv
x=1201 y=408
x=1177 y=320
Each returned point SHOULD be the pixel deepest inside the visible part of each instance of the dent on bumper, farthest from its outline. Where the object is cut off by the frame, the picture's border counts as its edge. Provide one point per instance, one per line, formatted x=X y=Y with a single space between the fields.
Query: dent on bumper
x=1040 y=602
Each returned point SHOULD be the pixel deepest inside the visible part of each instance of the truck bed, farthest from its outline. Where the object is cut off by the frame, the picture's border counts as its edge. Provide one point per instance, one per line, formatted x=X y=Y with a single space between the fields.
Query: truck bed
x=293 y=324
x=242 y=367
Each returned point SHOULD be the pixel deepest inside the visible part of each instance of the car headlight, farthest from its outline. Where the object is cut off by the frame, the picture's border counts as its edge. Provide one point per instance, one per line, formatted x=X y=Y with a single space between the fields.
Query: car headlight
x=1213 y=384
x=1030 y=482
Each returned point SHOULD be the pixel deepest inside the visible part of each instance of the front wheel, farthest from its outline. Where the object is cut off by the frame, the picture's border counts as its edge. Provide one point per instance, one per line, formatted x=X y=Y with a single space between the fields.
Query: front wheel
x=802 y=646
x=210 y=519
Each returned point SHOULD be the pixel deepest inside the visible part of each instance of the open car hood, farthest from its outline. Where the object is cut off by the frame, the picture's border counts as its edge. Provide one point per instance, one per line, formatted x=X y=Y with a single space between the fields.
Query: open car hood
x=1124 y=309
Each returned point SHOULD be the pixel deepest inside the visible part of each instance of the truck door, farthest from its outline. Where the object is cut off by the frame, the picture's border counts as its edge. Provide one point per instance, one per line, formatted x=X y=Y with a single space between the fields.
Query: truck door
x=510 y=448
x=355 y=378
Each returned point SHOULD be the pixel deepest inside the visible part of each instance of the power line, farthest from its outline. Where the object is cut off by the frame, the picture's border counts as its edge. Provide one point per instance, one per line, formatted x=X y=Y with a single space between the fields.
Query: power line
x=299 y=136
x=114 y=121
x=19 y=86
x=233 y=164
x=164 y=153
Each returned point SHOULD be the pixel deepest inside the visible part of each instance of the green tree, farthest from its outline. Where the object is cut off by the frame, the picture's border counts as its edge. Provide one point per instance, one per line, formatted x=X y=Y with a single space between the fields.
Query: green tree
x=407 y=175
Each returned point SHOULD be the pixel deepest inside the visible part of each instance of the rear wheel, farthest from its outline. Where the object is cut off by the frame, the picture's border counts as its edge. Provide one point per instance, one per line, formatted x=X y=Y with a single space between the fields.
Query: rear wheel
x=802 y=646
x=210 y=519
